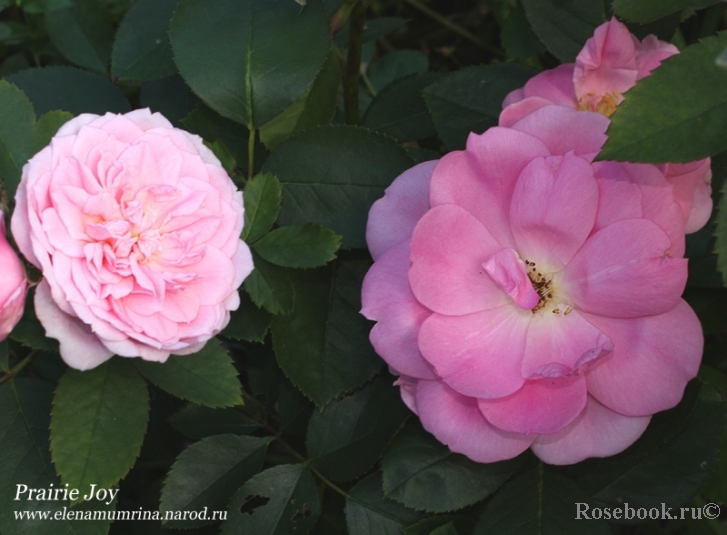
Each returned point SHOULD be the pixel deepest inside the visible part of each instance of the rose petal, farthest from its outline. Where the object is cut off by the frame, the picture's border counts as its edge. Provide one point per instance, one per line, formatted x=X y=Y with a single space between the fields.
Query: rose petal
x=653 y=359
x=553 y=209
x=456 y=421
x=625 y=271
x=542 y=406
x=393 y=217
x=479 y=354
x=387 y=299
x=448 y=249
x=79 y=347
x=596 y=432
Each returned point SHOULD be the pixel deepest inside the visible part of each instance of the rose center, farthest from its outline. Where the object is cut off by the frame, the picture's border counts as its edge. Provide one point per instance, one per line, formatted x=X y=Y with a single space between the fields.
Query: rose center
x=605 y=105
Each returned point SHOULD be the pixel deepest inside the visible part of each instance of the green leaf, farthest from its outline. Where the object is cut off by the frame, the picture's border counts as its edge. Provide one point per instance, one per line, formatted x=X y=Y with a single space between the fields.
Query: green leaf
x=197 y=421
x=692 y=129
x=351 y=434
x=272 y=53
x=47 y=126
x=207 y=377
x=470 y=100
x=648 y=10
x=399 y=110
x=82 y=33
x=249 y=322
x=172 y=98
x=447 y=529
x=314 y=108
x=262 y=206
x=539 y=502
x=720 y=233
x=424 y=474
x=29 y=331
x=373 y=29
x=207 y=474
x=431 y=524
x=277 y=501
x=564 y=26
x=69 y=89
x=670 y=462
x=211 y=126
x=518 y=38
x=4 y=356
x=395 y=65
x=98 y=424
x=25 y=406
x=223 y=155
x=368 y=512
x=332 y=175
x=299 y=246
x=263 y=374
x=141 y=49
x=17 y=133
x=43 y=6
x=269 y=287
x=710 y=305
x=295 y=409
x=323 y=346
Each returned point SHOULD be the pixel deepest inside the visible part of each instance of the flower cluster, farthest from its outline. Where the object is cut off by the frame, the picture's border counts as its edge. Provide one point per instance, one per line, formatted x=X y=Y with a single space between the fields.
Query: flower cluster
x=529 y=297
x=136 y=228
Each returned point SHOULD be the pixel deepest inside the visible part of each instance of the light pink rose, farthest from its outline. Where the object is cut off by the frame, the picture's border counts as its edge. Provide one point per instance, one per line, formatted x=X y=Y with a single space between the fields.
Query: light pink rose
x=529 y=297
x=611 y=63
x=136 y=228
x=13 y=285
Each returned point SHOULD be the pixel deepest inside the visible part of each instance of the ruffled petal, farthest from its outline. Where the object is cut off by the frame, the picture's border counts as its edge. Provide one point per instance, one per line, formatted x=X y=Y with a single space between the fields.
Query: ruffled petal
x=557 y=343
x=653 y=359
x=393 y=217
x=566 y=129
x=456 y=421
x=542 y=406
x=553 y=209
x=79 y=347
x=625 y=271
x=607 y=62
x=596 y=432
x=482 y=178
x=479 y=354
x=387 y=299
x=448 y=249
x=554 y=85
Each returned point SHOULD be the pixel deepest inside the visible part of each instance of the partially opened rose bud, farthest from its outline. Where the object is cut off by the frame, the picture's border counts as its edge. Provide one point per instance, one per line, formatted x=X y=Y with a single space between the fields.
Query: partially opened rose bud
x=136 y=227
x=611 y=63
x=13 y=285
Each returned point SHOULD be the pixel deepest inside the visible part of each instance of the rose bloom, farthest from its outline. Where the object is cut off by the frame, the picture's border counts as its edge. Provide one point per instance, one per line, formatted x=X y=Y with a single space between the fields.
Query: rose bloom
x=13 y=285
x=136 y=228
x=611 y=63
x=529 y=297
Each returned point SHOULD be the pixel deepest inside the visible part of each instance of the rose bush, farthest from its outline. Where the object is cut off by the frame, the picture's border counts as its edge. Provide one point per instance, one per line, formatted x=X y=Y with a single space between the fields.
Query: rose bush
x=529 y=297
x=13 y=285
x=611 y=63
x=136 y=228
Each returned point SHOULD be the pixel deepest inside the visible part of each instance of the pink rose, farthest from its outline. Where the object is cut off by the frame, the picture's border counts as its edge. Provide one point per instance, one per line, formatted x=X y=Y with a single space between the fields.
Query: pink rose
x=530 y=298
x=136 y=228
x=611 y=63
x=13 y=285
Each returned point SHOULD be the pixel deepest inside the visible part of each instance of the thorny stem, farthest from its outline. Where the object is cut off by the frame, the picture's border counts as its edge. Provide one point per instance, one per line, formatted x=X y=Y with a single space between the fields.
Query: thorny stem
x=456 y=28
x=15 y=370
x=353 y=64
